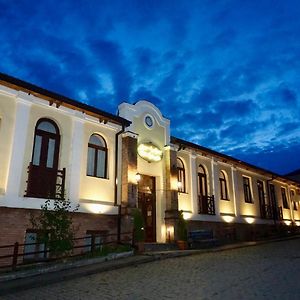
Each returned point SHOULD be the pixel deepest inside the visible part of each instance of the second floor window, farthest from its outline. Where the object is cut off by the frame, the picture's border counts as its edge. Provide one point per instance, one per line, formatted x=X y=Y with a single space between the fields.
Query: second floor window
x=223 y=186
x=293 y=200
x=247 y=190
x=97 y=157
x=284 y=198
x=181 y=176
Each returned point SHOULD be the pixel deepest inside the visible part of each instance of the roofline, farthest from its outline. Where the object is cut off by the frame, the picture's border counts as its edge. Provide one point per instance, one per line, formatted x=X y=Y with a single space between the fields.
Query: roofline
x=179 y=141
x=58 y=99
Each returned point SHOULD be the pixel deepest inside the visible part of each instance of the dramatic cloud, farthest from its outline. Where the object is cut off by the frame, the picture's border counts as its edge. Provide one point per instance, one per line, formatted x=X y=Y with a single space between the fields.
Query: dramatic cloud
x=225 y=72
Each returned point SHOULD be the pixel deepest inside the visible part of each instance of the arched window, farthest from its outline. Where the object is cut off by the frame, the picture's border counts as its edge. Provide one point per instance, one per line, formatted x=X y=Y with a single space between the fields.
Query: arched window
x=181 y=176
x=42 y=174
x=202 y=181
x=46 y=144
x=97 y=157
x=223 y=186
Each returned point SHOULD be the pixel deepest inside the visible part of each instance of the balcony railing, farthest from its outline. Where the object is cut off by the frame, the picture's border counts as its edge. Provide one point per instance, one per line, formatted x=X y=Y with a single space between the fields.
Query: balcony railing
x=45 y=183
x=206 y=205
x=266 y=211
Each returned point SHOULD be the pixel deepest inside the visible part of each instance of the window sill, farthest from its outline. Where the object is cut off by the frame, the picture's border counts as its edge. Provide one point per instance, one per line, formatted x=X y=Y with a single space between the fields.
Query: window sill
x=97 y=177
x=224 y=199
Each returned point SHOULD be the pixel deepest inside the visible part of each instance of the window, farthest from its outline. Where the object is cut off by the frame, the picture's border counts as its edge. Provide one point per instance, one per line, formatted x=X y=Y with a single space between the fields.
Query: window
x=247 y=190
x=94 y=240
x=33 y=250
x=97 y=157
x=202 y=181
x=293 y=200
x=180 y=176
x=284 y=198
x=223 y=186
x=46 y=144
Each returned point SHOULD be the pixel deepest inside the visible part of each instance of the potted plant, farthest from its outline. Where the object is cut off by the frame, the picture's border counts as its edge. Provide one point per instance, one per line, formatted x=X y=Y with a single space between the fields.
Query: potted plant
x=138 y=230
x=182 y=232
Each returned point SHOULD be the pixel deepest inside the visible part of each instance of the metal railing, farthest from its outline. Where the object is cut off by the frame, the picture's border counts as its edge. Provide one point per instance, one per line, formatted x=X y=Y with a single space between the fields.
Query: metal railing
x=16 y=255
x=206 y=205
x=43 y=183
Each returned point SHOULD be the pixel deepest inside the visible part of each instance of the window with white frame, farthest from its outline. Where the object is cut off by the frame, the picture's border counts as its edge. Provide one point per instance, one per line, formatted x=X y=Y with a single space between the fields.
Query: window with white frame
x=97 y=157
x=181 y=176
x=247 y=190
x=223 y=186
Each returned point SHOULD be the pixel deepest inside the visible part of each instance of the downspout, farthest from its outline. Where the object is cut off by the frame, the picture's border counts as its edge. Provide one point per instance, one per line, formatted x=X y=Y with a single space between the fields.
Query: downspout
x=116 y=184
x=274 y=209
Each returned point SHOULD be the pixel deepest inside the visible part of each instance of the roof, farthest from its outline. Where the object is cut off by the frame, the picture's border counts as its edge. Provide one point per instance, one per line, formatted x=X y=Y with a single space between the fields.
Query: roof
x=58 y=99
x=226 y=158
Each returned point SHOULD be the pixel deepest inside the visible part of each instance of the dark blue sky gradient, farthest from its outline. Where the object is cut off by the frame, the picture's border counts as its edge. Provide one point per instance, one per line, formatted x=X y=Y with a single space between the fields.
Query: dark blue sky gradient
x=227 y=73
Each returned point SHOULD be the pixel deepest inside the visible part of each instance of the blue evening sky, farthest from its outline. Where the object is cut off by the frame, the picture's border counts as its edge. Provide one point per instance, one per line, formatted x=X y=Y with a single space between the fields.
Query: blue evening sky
x=227 y=73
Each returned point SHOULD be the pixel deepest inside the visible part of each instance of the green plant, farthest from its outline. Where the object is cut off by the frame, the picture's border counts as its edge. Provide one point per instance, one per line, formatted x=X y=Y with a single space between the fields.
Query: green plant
x=55 y=226
x=138 y=225
x=181 y=227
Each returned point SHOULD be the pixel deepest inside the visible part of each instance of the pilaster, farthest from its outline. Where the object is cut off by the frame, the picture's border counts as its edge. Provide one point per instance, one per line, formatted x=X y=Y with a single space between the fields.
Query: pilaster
x=16 y=164
x=215 y=185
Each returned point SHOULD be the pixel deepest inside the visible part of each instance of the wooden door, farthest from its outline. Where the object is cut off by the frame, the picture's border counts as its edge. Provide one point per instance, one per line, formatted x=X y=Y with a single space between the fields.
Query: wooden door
x=43 y=168
x=147 y=204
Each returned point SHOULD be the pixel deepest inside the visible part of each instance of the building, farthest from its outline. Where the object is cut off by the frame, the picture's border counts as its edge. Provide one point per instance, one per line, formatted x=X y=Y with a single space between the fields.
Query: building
x=52 y=146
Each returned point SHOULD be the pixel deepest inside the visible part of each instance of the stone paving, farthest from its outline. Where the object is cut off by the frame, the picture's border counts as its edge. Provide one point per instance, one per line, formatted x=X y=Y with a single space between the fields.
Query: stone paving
x=268 y=271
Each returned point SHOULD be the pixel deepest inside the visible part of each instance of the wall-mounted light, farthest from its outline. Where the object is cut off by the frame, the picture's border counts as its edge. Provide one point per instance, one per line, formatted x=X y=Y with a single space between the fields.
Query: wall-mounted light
x=137 y=177
x=288 y=223
x=179 y=185
x=170 y=233
x=297 y=223
x=250 y=220
x=228 y=219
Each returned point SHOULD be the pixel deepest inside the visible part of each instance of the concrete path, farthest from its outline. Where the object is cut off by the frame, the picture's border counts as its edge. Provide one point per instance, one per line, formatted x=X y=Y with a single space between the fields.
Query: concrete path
x=267 y=271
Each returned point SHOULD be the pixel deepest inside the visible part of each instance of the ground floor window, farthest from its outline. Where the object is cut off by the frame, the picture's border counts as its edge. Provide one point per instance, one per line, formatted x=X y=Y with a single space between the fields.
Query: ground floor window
x=33 y=248
x=94 y=240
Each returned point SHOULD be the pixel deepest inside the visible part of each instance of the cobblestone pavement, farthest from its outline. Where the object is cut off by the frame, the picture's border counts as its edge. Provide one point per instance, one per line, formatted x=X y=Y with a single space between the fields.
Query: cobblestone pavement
x=268 y=271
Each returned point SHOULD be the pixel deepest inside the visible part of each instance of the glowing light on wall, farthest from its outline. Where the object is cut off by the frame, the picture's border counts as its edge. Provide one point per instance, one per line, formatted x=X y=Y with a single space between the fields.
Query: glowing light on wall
x=149 y=152
x=250 y=220
x=288 y=223
x=137 y=177
x=96 y=208
x=187 y=215
x=170 y=233
x=297 y=223
x=228 y=219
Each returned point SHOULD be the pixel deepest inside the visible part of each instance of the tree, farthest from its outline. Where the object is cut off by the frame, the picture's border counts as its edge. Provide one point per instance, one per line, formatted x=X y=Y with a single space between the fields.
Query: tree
x=56 y=226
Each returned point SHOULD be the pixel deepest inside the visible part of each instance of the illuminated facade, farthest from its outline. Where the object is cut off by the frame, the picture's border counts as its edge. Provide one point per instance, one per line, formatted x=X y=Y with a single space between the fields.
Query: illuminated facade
x=52 y=146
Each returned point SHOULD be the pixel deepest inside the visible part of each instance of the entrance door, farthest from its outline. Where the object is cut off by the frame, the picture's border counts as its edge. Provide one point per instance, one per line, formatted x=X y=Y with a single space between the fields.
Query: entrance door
x=147 y=204
x=43 y=168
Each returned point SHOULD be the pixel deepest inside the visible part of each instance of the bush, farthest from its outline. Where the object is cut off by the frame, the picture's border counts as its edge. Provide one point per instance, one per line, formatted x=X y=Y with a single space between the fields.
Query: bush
x=55 y=226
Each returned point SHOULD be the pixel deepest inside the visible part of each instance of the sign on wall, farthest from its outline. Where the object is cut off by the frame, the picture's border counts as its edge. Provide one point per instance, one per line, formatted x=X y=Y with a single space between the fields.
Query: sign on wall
x=149 y=152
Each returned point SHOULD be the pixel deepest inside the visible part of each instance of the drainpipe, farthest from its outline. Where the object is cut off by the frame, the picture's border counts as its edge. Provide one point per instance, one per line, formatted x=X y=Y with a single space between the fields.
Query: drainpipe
x=116 y=185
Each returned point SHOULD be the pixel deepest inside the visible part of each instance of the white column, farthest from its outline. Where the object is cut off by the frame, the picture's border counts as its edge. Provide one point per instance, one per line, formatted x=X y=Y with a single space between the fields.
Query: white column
x=215 y=185
x=193 y=176
x=236 y=204
x=75 y=166
x=16 y=163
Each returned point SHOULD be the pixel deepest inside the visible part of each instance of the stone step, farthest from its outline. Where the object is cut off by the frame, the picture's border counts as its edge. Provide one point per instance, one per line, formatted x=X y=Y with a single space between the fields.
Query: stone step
x=149 y=247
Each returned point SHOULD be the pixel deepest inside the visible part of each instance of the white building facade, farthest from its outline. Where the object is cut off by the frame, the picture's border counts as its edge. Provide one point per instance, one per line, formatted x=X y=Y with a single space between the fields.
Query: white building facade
x=54 y=147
